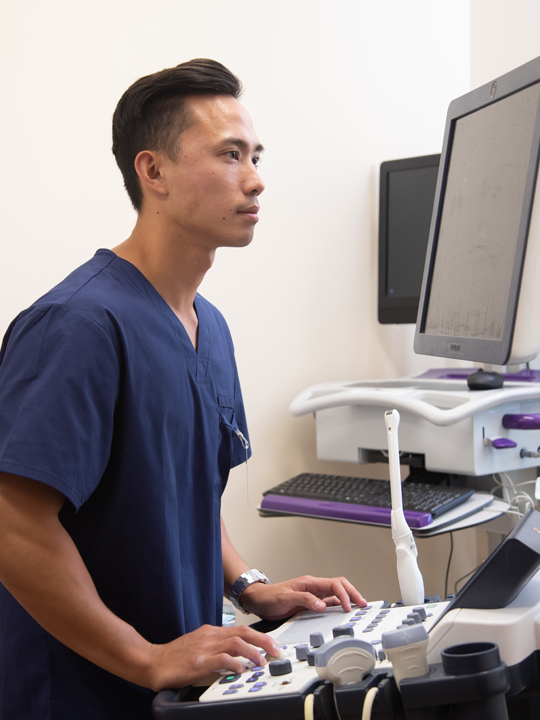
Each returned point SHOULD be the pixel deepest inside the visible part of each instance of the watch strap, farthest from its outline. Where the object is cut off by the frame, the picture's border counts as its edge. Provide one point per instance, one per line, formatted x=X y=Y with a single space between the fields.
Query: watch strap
x=245 y=580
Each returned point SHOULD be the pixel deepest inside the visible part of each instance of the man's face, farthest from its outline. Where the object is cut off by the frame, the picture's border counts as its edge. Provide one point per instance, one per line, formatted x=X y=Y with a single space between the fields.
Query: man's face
x=214 y=184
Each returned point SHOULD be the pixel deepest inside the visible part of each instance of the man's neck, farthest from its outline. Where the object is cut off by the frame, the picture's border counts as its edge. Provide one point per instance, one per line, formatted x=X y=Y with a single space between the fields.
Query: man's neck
x=174 y=266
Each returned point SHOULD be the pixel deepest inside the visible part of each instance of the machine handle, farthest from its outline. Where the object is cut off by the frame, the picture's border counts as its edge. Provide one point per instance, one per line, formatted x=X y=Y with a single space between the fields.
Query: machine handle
x=531 y=421
x=338 y=394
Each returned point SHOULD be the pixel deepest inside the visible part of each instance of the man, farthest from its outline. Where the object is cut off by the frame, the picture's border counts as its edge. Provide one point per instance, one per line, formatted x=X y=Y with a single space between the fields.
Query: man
x=120 y=418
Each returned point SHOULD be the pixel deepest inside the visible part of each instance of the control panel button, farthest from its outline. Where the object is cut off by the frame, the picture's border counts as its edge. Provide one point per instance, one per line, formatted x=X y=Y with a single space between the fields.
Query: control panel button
x=229 y=679
x=342 y=630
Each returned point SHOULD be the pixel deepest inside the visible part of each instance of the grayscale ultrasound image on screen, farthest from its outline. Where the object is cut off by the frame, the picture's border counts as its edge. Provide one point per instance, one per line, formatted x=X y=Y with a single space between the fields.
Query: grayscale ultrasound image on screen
x=482 y=210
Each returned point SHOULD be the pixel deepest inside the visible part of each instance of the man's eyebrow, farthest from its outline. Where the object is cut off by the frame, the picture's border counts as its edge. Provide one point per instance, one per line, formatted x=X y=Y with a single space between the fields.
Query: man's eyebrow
x=241 y=144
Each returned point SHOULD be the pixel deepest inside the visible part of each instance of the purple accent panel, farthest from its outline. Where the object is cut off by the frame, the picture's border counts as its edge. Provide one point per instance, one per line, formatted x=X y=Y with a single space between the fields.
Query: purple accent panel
x=501 y=443
x=448 y=373
x=340 y=511
x=530 y=421
x=463 y=373
x=523 y=376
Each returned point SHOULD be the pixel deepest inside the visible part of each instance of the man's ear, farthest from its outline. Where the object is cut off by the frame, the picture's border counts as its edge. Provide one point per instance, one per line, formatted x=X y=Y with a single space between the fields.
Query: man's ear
x=149 y=165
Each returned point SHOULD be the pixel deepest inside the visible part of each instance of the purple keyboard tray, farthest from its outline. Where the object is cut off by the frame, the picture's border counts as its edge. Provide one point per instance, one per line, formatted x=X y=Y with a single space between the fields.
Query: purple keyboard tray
x=340 y=511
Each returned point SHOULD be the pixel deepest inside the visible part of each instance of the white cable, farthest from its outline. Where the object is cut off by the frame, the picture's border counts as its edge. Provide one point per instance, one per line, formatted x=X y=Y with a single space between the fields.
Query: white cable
x=308 y=707
x=511 y=495
x=368 y=703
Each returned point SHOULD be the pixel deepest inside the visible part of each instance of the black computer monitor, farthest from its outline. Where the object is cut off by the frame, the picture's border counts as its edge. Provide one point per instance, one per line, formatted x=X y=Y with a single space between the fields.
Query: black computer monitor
x=481 y=287
x=407 y=192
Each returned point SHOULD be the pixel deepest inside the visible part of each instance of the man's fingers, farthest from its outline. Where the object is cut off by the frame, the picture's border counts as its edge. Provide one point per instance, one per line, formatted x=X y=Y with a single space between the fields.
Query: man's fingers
x=344 y=594
x=248 y=643
x=224 y=661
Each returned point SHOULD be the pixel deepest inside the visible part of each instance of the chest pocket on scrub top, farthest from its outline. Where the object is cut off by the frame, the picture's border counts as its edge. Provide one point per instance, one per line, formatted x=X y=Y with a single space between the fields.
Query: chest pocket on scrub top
x=226 y=417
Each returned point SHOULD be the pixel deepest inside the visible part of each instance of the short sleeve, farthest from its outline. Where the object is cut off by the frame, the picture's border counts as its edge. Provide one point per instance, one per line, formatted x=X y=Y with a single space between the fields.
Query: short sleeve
x=59 y=380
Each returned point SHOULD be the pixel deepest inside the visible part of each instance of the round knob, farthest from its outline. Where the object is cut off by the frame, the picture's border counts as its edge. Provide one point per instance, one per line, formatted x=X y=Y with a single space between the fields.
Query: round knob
x=302 y=651
x=280 y=667
x=316 y=639
x=415 y=616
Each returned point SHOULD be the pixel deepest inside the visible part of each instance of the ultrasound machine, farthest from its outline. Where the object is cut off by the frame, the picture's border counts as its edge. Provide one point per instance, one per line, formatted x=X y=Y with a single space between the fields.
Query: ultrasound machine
x=475 y=655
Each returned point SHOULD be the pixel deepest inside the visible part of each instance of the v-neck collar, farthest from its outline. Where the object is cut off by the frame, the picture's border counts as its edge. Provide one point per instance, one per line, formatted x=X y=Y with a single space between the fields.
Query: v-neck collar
x=197 y=359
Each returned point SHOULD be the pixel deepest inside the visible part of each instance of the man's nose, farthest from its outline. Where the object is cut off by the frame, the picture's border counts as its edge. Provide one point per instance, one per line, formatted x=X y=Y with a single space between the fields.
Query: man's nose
x=254 y=181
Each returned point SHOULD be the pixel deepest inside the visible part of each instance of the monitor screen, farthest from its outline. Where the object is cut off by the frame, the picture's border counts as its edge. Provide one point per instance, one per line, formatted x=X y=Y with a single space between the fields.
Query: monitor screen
x=481 y=218
x=407 y=191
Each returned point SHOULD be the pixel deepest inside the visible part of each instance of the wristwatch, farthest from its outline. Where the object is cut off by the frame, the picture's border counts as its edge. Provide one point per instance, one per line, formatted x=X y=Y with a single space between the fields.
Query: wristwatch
x=246 y=579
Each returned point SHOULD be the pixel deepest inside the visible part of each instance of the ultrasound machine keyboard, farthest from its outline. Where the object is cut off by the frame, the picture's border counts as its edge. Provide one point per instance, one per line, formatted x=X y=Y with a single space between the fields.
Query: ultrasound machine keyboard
x=308 y=630
x=361 y=500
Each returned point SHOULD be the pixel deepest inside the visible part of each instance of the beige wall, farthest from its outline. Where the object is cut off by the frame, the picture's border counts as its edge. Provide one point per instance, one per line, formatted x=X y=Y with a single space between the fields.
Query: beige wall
x=335 y=87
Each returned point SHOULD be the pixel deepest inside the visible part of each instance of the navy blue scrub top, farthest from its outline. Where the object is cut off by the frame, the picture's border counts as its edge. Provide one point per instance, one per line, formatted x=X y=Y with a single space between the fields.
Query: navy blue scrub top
x=103 y=397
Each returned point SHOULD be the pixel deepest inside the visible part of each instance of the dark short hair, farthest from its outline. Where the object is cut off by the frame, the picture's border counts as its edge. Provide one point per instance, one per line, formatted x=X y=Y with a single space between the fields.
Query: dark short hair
x=152 y=113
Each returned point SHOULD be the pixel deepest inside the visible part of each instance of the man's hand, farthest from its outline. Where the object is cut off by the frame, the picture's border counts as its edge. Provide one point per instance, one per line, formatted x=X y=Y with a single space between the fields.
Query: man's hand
x=206 y=650
x=279 y=601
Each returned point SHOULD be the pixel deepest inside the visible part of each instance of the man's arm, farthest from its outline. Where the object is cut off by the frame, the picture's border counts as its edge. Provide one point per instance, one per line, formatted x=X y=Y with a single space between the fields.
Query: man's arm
x=41 y=566
x=281 y=600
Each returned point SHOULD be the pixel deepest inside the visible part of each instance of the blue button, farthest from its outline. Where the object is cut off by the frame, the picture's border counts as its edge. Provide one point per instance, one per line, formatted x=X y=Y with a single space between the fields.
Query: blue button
x=260 y=684
x=230 y=692
x=255 y=689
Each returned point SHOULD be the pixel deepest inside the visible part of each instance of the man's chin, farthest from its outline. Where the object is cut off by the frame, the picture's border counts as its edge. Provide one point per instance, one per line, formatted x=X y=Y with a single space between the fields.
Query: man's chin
x=239 y=242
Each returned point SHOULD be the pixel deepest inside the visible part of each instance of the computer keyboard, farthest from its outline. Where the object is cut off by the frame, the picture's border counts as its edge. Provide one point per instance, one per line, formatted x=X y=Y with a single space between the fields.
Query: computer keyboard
x=360 y=499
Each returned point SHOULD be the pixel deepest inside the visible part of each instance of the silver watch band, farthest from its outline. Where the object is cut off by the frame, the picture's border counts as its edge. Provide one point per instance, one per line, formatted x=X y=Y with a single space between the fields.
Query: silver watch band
x=245 y=580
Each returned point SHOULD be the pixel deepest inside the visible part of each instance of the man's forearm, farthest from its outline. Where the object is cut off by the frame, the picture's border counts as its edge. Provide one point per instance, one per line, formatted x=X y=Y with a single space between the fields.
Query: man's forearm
x=233 y=564
x=42 y=568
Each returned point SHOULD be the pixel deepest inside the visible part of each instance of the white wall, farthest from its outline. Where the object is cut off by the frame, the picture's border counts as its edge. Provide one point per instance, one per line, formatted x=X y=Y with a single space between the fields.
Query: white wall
x=335 y=87
x=504 y=35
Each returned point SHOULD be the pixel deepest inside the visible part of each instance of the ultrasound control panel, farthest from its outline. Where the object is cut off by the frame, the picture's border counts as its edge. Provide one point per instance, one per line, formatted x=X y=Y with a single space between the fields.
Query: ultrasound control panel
x=294 y=671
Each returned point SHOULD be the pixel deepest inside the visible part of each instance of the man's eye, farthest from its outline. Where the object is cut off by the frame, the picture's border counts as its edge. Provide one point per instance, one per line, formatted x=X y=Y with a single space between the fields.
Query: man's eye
x=256 y=160
x=233 y=154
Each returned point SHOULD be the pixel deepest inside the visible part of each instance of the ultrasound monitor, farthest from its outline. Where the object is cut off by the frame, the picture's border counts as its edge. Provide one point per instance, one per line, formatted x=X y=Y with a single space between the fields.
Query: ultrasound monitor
x=480 y=296
x=407 y=191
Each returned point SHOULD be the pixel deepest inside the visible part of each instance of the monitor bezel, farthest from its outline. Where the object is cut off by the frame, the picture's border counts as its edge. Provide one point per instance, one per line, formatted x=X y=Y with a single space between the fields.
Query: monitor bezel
x=395 y=310
x=496 y=352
